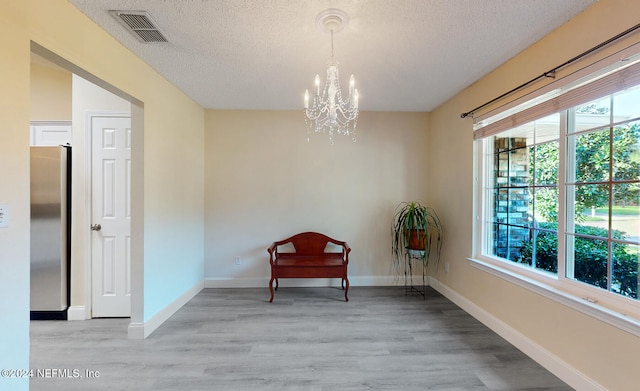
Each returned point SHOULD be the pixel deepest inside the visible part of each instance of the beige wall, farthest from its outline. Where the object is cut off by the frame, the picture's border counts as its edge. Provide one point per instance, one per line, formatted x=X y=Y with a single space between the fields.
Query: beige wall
x=50 y=92
x=14 y=192
x=601 y=352
x=264 y=182
x=168 y=166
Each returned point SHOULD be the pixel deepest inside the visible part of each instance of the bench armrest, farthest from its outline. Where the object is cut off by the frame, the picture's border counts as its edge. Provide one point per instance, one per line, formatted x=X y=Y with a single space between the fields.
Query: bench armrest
x=345 y=251
x=273 y=252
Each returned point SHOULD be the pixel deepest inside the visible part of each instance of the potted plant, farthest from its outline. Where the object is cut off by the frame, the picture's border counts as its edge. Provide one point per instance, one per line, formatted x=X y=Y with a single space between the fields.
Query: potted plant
x=416 y=231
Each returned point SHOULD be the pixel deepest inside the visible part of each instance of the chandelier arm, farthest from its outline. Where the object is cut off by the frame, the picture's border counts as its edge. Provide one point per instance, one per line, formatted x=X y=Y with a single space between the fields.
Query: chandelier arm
x=315 y=112
x=349 y=116
x=345 y=103
x=311 y=115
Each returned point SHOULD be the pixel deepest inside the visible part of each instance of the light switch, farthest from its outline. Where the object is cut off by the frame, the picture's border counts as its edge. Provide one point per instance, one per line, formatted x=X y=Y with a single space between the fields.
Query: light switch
x=4 y=216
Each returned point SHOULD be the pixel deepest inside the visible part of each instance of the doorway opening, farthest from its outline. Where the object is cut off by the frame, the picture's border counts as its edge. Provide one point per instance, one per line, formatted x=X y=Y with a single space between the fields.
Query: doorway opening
x=63 y=92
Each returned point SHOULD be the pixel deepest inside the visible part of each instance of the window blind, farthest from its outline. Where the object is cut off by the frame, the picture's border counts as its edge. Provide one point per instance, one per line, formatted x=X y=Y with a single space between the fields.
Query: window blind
x=616 y=81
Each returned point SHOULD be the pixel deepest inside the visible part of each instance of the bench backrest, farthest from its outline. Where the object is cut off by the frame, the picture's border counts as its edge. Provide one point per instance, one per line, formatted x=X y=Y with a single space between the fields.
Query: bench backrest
x=309 y=243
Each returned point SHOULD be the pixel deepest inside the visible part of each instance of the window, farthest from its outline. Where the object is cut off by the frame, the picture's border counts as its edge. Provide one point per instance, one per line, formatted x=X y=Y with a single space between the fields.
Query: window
x=602 y=190
x=559 y=189
x=522 y=190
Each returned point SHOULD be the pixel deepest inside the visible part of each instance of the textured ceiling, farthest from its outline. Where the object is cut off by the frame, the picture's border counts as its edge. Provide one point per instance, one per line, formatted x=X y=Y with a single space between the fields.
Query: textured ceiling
x=406 y=55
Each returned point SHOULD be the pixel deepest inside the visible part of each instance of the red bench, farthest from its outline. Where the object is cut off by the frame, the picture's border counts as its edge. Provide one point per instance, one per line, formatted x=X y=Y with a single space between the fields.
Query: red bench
x=309 y=259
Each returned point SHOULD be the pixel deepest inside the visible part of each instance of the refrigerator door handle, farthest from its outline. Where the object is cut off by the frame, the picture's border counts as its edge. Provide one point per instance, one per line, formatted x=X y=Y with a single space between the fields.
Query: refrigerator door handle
x=96 y=227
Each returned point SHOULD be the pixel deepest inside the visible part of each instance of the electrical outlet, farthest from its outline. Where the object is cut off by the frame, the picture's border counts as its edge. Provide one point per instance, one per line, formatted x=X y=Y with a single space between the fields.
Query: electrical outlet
x=446 y=267
x=238 y=260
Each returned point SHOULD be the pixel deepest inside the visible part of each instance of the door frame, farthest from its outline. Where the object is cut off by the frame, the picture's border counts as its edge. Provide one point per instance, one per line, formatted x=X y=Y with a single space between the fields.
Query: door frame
x=136 y=329
x=88 y=202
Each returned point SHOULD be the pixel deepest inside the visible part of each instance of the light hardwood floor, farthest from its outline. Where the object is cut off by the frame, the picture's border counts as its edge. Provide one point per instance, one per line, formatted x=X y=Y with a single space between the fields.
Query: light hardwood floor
x=307 y=339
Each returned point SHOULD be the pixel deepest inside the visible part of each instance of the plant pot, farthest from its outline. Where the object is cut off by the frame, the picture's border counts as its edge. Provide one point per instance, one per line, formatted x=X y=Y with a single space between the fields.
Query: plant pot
x=417 y=239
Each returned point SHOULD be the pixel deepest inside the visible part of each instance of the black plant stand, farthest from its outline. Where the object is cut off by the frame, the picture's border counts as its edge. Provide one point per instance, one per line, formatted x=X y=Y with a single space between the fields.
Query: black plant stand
x=412 y=256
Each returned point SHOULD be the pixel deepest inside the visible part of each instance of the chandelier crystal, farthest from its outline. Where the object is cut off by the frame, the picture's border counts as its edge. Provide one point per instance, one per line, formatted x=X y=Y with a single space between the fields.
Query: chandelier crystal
x=327 y=111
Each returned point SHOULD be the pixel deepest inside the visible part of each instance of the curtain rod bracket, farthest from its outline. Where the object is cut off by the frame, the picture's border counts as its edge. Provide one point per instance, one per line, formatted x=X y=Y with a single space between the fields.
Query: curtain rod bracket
x=551 y=74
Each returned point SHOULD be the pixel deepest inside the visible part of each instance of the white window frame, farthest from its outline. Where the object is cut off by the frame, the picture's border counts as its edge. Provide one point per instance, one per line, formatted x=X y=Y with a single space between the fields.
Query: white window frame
x=617 y=310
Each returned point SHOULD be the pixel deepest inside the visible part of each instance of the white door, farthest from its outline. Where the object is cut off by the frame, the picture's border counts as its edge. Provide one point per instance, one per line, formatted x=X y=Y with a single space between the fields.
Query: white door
x=111 y=216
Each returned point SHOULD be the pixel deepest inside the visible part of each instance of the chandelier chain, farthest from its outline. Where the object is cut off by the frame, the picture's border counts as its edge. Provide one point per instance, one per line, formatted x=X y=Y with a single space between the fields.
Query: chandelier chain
x=332 y=58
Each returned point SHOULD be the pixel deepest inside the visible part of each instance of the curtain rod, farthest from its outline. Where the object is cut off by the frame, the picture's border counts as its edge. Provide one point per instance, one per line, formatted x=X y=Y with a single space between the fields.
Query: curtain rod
x=552 y=72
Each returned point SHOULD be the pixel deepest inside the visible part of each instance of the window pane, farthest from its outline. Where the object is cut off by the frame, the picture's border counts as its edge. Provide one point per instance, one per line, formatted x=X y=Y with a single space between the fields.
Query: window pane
x=501 y=209
x=501 y=169
x=545 y=158
x=500 y=240
x=626 y=152
x=519 y=206
x=625 y=213
x=509 y=240
x=541 y=251
x=510 y=141
x=545 y=205
x=590 y=261
x=592 y=156
x=592 y=115
x=625 y=269
x=547 y=129
x=625 y=104
x=591 y=207
x=511 y=167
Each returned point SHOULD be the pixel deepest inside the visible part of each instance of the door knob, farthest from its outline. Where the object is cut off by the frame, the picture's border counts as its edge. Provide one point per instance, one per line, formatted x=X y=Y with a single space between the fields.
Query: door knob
x=96 y=227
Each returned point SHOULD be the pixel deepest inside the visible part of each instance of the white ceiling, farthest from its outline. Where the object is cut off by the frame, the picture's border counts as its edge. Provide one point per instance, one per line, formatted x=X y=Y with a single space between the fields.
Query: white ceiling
x=406 y=55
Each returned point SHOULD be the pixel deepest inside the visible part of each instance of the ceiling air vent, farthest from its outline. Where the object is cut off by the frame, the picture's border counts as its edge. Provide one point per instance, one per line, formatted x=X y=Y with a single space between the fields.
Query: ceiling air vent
x=140 y=24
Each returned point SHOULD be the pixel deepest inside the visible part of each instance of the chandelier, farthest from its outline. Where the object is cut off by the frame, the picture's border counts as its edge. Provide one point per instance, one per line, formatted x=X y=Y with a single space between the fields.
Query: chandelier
x=327 y=111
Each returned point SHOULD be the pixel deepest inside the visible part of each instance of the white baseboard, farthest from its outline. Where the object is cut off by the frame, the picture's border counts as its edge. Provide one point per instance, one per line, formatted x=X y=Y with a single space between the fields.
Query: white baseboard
x=143 y=330
x=551 y=362
x=261 y=282
x=77 y=312
x=136 y=331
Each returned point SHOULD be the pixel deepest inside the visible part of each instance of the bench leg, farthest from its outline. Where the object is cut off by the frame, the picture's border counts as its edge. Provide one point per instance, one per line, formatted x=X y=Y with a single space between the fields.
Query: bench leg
x=271 y=289
x=346 y=289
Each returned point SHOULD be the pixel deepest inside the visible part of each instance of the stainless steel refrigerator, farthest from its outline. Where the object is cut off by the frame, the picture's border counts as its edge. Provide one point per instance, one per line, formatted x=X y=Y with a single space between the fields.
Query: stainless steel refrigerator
x=50 y=231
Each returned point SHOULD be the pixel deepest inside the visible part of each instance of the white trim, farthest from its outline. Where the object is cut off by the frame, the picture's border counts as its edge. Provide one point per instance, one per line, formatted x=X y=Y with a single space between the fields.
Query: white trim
x=550 y=361
x=593 y=310
x=227 y=282
x=263 y=282
x=143 y=330
x=88 y=281
x=77 y=312
x=51 y=123
x=136 y=331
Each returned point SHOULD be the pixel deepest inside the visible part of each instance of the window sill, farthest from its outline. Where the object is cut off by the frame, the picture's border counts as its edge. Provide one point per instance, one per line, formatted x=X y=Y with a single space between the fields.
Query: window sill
x=616 y=319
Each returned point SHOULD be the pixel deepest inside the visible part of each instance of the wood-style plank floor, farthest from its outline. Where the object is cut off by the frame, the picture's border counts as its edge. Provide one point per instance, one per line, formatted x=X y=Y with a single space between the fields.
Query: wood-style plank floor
x=307 y=339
